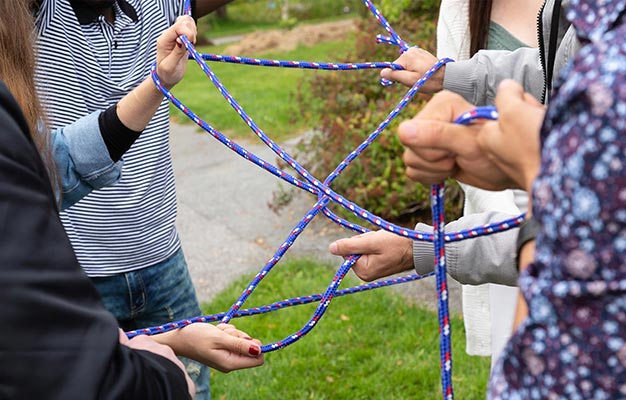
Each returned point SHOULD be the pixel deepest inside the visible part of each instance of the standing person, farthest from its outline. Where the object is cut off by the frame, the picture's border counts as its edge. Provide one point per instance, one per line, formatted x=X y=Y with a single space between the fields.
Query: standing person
x=571 y=342
x=57 y=329
x=386 y=253
x=477 y=78
x=86 y=152
x=91 y=53
x=464 y=28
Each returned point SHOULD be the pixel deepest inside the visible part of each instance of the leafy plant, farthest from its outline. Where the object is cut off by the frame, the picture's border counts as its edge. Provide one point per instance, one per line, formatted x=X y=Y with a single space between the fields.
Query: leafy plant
x=393 y=9
x=351 y=105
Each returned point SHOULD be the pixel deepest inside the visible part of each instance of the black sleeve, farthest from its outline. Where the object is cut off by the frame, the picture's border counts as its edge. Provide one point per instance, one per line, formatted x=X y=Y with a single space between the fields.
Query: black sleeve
x=57 y=341
x=117 y=137
x=194 y=10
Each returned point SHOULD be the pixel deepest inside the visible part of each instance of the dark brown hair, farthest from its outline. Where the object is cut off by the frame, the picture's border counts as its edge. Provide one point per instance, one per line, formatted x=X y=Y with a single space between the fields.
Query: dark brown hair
x=17 y=70
x=479 y=20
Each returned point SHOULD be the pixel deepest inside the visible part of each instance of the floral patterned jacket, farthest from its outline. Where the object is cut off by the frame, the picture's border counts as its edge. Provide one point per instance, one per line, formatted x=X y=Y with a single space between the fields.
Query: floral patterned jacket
x=573 y=344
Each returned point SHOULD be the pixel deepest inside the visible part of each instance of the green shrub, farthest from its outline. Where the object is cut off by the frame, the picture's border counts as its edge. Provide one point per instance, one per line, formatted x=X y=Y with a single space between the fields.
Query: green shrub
x=350 y=106
x=256 y=11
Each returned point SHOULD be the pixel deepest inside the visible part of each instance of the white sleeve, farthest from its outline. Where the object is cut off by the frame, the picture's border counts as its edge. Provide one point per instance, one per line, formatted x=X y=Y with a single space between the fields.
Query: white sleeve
x=506 y=201
x=453 y=38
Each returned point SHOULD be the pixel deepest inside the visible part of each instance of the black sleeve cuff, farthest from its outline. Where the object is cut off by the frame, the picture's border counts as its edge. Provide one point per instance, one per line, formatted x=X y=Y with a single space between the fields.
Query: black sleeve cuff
x=117 y=137
x=528 y=230
x=158 y=378
x=194 y=10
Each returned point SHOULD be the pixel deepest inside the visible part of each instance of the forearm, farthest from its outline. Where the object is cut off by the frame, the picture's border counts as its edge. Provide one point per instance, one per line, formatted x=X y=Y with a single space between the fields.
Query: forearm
x=477 y=79
x=136 y=109
x=176 y=340
x=485 y=259
x=86 y=153
x=526 y=257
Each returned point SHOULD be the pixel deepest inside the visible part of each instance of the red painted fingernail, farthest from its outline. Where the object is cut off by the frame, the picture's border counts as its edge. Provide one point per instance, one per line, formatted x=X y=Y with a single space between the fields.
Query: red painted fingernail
x=248 y=338
x=254 y=350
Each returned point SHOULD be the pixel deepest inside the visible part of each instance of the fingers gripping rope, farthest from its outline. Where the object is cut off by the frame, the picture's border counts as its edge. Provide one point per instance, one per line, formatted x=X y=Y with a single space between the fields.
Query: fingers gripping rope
x=326 y=194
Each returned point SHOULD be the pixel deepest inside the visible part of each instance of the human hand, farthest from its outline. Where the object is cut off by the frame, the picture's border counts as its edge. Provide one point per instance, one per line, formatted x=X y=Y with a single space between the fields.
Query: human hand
x=516 y=132
x=147 y=343
x=416 y=62
x=383 y=254
x=222 y=347
x=436 y=148
x=171 y=59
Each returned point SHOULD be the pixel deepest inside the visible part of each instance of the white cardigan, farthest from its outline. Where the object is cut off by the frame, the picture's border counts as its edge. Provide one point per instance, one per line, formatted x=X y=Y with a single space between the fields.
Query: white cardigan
x=482 y=337
x=453 y=34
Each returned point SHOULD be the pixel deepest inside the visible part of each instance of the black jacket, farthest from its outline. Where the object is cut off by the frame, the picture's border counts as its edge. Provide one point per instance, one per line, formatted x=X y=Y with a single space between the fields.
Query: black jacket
x=56 y=339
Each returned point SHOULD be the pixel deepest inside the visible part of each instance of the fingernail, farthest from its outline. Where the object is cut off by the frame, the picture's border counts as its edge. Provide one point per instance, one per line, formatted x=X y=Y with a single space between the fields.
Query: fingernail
x=247 y=338
x=407 y=129
x=254 y=350
x=333 y=248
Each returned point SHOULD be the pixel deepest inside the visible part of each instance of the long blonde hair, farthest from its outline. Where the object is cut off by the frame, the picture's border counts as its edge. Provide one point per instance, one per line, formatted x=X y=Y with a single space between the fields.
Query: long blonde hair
x=17 y=70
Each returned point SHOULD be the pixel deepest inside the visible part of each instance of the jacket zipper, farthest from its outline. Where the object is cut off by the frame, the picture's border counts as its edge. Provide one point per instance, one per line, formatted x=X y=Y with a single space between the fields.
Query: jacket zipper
x=542 y=51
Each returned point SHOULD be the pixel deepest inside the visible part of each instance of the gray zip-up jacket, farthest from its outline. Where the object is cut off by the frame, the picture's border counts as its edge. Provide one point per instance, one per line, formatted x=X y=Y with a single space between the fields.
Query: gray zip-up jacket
x=477 y=79
x=493 y=257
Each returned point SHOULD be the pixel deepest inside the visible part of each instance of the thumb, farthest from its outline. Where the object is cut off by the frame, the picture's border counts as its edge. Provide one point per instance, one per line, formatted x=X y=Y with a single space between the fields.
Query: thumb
x=437 y=137
x=358 y=244
x=510 y=94
x=340 y=247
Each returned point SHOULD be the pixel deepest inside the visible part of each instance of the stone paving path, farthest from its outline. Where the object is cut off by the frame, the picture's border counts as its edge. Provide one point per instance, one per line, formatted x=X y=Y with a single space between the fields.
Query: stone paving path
x=226 y=226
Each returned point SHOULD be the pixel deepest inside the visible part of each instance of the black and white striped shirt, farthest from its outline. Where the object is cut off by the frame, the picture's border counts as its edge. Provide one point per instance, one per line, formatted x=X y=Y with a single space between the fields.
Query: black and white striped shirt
x=88 y=67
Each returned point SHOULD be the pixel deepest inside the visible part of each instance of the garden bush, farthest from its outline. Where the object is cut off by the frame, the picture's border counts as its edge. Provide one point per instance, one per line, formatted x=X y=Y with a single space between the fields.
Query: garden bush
x=350 y=105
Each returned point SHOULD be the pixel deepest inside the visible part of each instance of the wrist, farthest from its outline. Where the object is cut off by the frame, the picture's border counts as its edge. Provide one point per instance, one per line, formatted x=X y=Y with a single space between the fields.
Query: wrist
x=435 y=83
x=173 y=340
x=529 y=177
x=528 y=231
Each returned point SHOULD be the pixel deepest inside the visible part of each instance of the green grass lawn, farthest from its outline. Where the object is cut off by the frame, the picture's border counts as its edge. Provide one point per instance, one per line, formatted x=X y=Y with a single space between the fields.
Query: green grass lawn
x=267 y=94
x=370 y=345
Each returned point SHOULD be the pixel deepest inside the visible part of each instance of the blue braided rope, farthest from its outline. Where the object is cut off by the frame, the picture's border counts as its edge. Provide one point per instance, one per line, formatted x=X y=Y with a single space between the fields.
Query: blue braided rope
x=394 y=39
x=259 y=62
x=325 y=194
x=315 y=185
x=443 y=313
x=296 y=301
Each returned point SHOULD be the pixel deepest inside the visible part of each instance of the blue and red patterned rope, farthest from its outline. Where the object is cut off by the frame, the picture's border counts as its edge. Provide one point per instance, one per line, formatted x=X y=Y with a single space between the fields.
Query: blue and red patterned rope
x=279 y=305
x=326 y=194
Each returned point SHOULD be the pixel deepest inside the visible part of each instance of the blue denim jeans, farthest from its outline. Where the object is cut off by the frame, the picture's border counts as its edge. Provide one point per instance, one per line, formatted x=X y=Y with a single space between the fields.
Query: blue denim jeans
x=155 y=296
